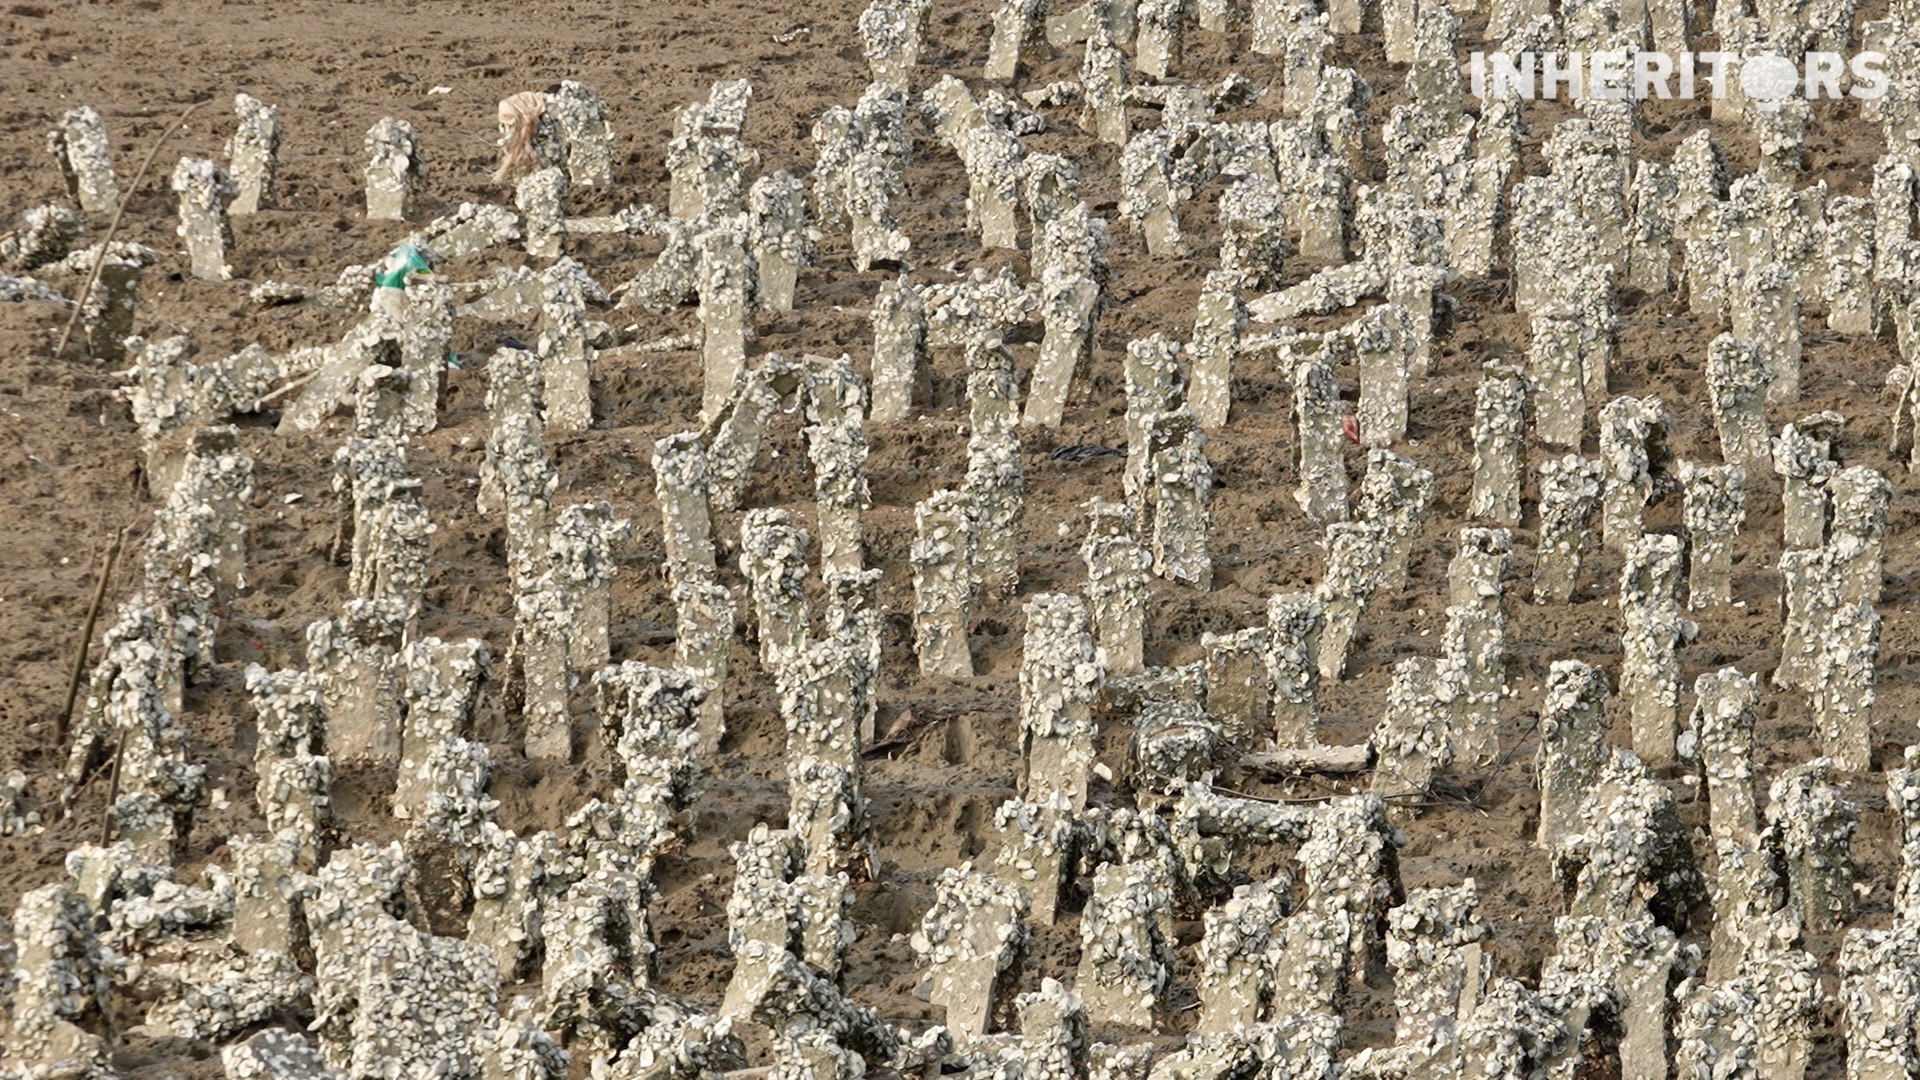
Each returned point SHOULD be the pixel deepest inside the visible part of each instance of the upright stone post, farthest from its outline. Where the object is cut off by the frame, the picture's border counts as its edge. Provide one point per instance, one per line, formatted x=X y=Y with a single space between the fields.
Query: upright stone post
x=393 y=170
x=1715 y=510
x=1103 y=81
x=838 y=452
x=1809 y=596
x=582 y=118
x=971 y=943
x=942 y=556
x=1383 y=342
x=205 y=192
x=773 y=559
x=1294 y=624
x=1216 y=339
x=1395 y=494
x=1632 y=446
x=1355 y=552
x=1475 y=640
x=1499 y=434
x=1858 y=531
x=566 y=357
x=680 y=480
x=1182 y=501
x=782 y=241
x=899 y=349
x=1125 y=961
x=1652 y=628
x=1322 y=492
x=1059 y=676
x=253 y=156
x=1801 y=458
x=726 y=286
x=1152 y=380
x=1844 y=679
x=1116 y=588
x=1559 y=393
x=1412 y=742
x=1737 y=380
x=1572 y=749
x=1810 y=826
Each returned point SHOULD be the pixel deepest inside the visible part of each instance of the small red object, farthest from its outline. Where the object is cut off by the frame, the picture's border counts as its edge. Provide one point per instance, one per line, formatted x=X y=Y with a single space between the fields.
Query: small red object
x=1350 y=426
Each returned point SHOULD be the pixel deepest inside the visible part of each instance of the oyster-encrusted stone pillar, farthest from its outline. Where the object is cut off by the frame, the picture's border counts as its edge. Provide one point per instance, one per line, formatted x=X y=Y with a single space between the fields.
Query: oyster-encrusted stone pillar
x=1652 y=628
x=1294 y=623
x=1117 y=566
x=838 y=452
x=1152 y=380
x=899 y=349
x=1844 y=679
x=394 y=170
x=1217 y=328
x=1499 y=435
x=1395 y=494
x=1737 y=379
x=1858 y=531
x=1715 y=509
x=1125 y=961
x=942 y=556
x=680 y=481
x=81 y=146
x=1322 y=491
x=1632 y=442
x=1810 y=827
x=1572 y=749
x=1355 y=551
x=1182 y=501
x=205 y=192
x=1475 y=640
x=781 y=238
x=773 y=559
x=253 y=156
x=971 y=943
x=1059 y=675
x=1802 y=460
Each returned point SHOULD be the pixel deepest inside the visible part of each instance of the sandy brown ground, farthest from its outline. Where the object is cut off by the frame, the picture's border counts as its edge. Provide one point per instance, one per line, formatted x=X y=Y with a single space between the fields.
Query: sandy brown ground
x=70 y=468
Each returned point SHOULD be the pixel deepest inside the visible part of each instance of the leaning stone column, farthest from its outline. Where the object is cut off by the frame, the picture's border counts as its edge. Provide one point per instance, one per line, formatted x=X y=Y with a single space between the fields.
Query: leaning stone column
x=1116 y=589
x=1059 y=676
x=1715 y=509
x=942 y=558
x=80 y=143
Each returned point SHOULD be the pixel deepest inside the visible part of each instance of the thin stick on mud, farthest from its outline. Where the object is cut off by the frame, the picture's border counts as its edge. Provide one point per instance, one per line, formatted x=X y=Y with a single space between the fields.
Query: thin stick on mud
x=65 y=722
x=113 y=227
x=113 y=791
